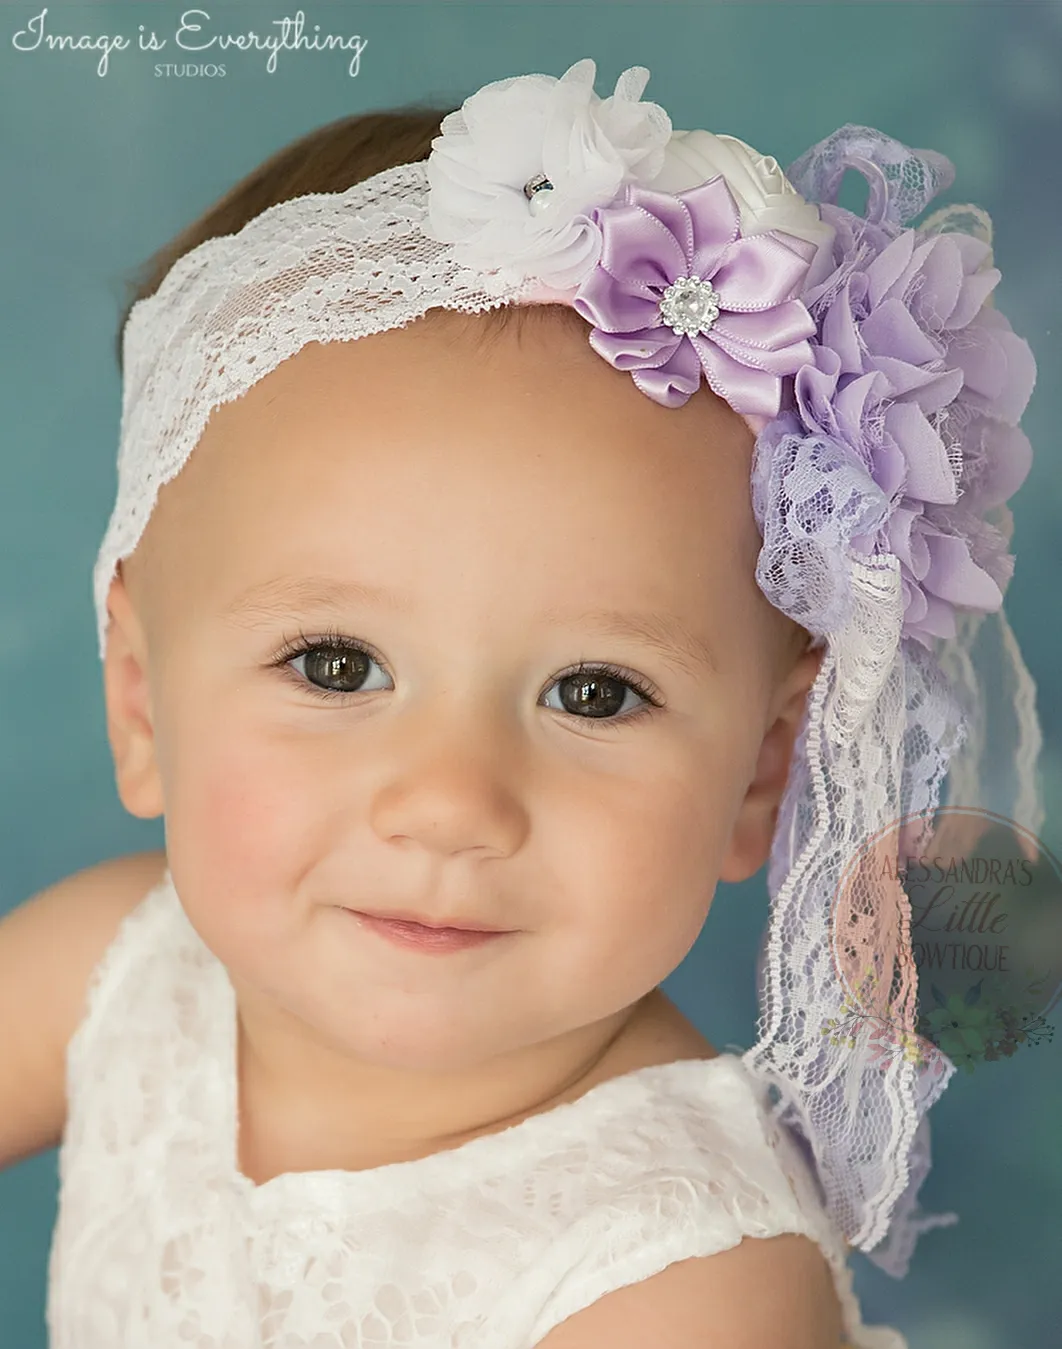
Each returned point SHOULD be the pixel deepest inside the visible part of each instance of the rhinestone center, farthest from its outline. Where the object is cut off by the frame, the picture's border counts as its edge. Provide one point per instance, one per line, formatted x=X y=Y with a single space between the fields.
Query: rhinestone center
x=689 y=305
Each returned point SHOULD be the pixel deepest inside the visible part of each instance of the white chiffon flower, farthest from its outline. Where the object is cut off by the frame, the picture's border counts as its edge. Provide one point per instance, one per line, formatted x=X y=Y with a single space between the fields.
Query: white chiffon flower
x=518 y=167
x=765 y=197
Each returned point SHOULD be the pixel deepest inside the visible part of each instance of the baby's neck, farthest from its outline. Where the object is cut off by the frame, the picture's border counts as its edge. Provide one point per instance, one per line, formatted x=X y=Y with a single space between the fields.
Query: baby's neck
x=284 y=1129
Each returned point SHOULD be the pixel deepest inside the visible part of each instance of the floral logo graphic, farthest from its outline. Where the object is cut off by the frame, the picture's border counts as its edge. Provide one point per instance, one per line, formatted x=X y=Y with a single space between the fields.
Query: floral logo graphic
x=978 y=1025
x=985 y=1024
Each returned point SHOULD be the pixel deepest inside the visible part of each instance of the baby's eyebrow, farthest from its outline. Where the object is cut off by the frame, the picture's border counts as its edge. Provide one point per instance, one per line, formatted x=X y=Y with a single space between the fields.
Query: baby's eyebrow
x=278 y=597
x=288 y=597
x=667 y=635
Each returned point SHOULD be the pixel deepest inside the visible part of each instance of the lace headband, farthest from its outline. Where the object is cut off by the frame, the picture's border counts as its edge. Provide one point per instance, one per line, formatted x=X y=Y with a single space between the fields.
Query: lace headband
x=884 y=391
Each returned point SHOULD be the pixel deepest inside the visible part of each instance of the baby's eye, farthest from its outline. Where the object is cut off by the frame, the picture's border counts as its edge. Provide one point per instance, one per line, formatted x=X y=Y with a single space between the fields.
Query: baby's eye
x=603 y=692
x=335 y=668
x=343 y=663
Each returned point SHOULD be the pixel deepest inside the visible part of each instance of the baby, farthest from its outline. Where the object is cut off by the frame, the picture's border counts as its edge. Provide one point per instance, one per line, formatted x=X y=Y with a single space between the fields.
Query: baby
x=444 y=626
x=446 y=661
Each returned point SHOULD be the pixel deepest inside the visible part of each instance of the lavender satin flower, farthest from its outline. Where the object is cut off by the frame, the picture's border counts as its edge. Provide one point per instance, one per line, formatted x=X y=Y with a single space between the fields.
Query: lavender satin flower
x=925 y=385
x=679 y=291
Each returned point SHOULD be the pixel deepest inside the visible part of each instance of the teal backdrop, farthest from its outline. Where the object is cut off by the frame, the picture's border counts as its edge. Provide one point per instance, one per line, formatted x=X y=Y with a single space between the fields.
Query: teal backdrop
x=96 y=171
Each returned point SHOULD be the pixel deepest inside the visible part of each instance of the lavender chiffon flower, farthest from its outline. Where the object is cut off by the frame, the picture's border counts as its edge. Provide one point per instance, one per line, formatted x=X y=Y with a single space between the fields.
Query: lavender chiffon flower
x=924 y=383
x=679 y=291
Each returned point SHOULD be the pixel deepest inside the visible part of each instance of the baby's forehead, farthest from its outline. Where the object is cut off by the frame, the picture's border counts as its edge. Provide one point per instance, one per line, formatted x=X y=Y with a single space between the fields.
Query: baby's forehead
x=519 y=435
x=498 y=372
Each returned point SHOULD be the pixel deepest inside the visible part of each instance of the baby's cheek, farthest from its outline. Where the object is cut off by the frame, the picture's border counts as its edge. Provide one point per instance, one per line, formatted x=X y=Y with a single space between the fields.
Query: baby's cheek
x=690 y=811
x=233 y=835
x=242 y=795
x=657 y=878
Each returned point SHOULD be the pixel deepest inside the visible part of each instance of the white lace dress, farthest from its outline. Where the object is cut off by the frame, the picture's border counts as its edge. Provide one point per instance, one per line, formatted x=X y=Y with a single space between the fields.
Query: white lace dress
x=161 y=1241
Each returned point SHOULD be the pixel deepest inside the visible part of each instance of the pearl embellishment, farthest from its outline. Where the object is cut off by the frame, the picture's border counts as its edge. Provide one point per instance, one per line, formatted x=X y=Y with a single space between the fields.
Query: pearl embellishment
x=538 y=191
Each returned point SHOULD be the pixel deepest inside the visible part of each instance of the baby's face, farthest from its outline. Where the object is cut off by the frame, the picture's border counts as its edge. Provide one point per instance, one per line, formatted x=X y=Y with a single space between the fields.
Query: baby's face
x=480 y=519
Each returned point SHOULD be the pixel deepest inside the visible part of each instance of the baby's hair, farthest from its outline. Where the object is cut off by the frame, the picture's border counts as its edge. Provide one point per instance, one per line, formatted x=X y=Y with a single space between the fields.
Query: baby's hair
x=330 y=158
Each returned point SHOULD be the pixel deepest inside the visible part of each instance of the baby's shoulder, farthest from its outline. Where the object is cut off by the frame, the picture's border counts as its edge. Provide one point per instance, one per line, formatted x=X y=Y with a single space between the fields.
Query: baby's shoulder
x=763 y=1291
x=79 y=917
x=49 y=947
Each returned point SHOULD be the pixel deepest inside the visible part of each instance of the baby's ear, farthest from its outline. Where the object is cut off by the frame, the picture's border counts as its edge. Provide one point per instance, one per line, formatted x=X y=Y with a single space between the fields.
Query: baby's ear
x=130 y=727
x=750 y=840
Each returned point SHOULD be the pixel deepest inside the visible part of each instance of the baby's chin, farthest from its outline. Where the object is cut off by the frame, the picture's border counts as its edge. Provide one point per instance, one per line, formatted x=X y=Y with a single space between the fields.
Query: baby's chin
x=338 y=988
x=451 y=1025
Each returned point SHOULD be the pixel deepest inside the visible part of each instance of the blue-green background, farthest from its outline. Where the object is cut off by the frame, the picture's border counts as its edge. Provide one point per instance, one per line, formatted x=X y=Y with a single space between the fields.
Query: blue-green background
x=95 y=173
